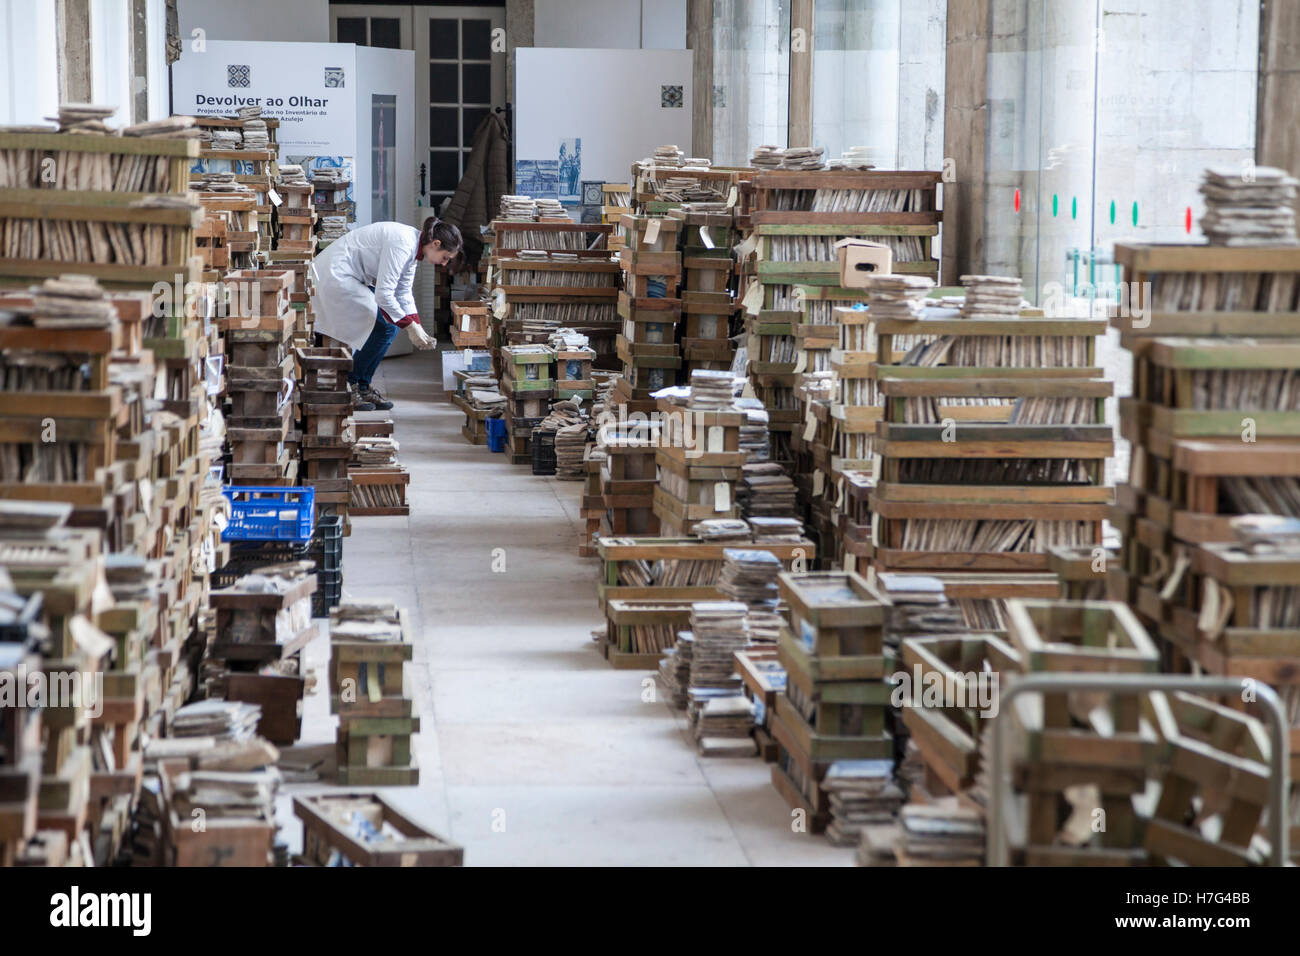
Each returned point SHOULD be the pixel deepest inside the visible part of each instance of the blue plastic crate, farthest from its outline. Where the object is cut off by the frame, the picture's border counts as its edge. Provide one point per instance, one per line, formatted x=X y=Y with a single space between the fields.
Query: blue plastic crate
x=270 y=513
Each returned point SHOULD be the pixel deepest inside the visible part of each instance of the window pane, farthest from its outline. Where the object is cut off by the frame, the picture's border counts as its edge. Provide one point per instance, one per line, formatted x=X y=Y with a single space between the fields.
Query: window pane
x=751 y=77
x=472 y=118
x=386 y=32
x=478 y=82
x=442 y=126
x=444 y=83
x=352 y=30
x=443 y=37
x=476 y=40
x=444 y=170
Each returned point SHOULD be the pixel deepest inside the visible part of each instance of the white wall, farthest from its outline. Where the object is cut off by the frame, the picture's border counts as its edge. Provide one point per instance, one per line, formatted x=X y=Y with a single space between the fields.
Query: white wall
x=619 y=119
x=390 y=72
x=110 y=57
x=158 y=83
x=610 y=24
x=306 y=21
x=29 y=71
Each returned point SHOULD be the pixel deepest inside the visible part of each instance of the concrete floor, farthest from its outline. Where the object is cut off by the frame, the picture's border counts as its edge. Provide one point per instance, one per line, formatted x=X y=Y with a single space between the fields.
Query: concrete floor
x=533 y=750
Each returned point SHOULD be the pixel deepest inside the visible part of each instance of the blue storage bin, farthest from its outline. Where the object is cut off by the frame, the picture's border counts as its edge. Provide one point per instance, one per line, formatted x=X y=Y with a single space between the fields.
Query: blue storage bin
x=270 y=513
x=496 y=434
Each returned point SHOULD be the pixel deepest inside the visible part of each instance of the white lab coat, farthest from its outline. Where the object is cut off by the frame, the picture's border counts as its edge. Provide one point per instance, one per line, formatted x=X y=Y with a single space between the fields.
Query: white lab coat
x=380 y=255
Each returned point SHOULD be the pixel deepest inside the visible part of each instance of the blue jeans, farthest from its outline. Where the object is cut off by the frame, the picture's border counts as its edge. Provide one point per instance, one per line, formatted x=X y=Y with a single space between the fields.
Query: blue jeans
x=367 y=358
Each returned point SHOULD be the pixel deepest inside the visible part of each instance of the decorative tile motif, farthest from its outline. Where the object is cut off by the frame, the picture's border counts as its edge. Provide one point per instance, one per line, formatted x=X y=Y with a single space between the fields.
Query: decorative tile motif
x=670 y=97
x=720 y=97
x=592 y=194
x=334 y=76
x=238 y=74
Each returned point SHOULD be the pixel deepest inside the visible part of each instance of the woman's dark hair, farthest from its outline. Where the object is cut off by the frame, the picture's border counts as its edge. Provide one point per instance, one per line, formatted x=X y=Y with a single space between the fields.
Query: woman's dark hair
x=448 y=236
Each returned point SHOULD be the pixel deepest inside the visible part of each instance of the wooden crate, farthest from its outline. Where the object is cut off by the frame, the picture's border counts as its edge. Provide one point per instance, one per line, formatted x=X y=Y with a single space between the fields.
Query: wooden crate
x=327 y=821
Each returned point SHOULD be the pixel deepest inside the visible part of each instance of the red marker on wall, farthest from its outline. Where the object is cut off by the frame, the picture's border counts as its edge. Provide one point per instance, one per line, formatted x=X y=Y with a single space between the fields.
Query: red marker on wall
x=1187 y=220
x=1017 y=200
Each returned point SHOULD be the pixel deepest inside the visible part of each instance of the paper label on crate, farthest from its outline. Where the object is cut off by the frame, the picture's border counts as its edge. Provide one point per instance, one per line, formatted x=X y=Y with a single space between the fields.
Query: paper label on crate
x=839 y=496
x=809 y=425
x=721 y=496
x=745 y=248
x=799 y=298
x=753 y=300
x=802 y=362
x=274 y=196
x=283 y=400
x=469 y=358
x=146 y=495
x=705 y=237
x=819 y=483
x=651 y=232
x=464 y=323
x=715 y=439
x=850 y=563
x=731 y=197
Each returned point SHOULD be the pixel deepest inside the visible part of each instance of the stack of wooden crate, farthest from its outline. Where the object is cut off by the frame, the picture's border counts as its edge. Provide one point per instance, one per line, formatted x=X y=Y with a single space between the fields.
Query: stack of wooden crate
x=327 y=429
x=1069 y=742
x=369 y=646
x=650 y=309
x=1215 y=344
x=705 y=240
x=538 y=302
x=260 y=379
x=628 y=478
x=237 y=213
x=988 y=462
x=469 y=326
x=699 y=460
x=20 y=724
x=528 y=383
x=377 y=488
x=836 y=696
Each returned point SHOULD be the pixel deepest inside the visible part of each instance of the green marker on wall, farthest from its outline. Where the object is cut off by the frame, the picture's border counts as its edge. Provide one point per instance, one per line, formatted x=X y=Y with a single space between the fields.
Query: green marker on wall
x=1112 y=212
x=1074 y=207
x=1053 y=204
x=1135 y=212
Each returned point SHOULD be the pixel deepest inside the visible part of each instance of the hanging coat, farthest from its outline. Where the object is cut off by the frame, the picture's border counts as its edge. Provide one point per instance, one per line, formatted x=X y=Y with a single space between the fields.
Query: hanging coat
x=382 y=256
x=478 y=196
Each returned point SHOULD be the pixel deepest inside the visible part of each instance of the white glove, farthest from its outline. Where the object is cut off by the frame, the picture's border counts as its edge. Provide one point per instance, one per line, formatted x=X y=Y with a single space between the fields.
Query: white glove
x=420 y=339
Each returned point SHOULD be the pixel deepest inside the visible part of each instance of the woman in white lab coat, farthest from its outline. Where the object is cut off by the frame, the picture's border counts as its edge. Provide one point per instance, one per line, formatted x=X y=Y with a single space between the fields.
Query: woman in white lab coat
x=363 y=293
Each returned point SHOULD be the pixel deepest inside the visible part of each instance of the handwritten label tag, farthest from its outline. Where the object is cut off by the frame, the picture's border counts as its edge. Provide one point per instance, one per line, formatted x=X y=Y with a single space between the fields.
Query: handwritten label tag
x=802 y=362
x=464 y=323
x=809 y=426
x=721 y=496
x=731 y=197
x=819 y=483
x=651 y=232
x=753 y=300
x=705 y=237
x=715 y=438
x=850 y=563
x=274 y=196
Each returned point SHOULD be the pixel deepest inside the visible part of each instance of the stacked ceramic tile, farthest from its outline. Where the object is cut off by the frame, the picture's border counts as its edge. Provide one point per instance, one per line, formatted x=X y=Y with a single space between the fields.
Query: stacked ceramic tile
x=332 y=227
x=803 y=157
x=749 y=577
x=551 y=209
x=1249 y=207
x=712 y=390
x=71 y=302
x=675 y=670
x=255 y=134
x=721 y=530
x=862 y=793
x=227 y=137
x=899 y=296
x=855 y=157
x=517 y=207
x=992 y=296
x=84 y=118
x=722 y=715
x=668 y=156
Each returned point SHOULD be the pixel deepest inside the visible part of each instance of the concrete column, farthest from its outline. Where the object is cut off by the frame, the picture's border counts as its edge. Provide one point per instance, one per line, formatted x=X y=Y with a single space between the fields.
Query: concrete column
x=699 y=37
x=74 y=51
x=965 y=134
x=1277 y=134
x=801 y=72
x=139 y=61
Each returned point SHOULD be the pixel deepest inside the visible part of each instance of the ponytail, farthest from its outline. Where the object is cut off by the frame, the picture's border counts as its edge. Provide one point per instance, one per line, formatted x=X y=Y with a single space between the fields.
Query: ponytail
x=448 y=236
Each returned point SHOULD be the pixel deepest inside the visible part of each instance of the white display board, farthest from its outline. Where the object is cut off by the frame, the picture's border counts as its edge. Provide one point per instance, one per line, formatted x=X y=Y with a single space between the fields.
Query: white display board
x=609 y=107
x=310 y=87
